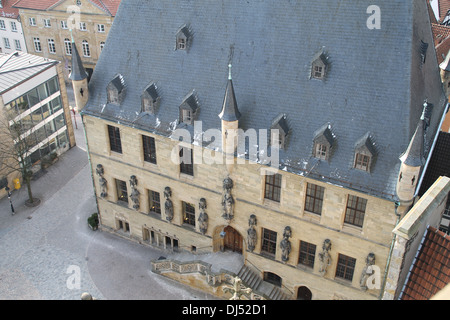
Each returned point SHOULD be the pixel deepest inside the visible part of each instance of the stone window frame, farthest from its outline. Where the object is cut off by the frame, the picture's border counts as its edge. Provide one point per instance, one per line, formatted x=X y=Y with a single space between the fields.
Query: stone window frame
x=149 y=149
x=345 y=267
x=307 y=254
x=123 y=225
x=268 y=242
x=67 y=47
x=186 y=168
x=37 y=44
x=51 y=46
x=115 y=139
x=101 y=28
x=355 y=211
x=273 y=186
x=47 y=23
x=121 y=191
x=154 y=202
x=86 y=49
x=315 y=194
x=188 y=211
x=83 y=26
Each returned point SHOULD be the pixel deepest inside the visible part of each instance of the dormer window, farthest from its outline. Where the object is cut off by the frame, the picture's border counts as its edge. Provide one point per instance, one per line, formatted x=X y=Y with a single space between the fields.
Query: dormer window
x=321 y=151
x=189 y=108
x=280 y=127
x=365 y=153
x=183 y=38
x=319 y=66
x=423 y=51
x=150 y=99
x=324 y=141
x=116 y=90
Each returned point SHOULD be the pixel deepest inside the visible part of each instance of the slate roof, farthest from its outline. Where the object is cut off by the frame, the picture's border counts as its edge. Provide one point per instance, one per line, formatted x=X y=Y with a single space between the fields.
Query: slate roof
x=378 y=87
x=430 y=271
x=17 y=67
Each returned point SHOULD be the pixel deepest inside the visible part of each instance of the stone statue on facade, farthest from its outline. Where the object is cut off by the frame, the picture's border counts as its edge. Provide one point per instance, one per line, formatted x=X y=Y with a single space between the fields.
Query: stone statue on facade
x=134 y=192
x=367 y=271
x=203 y=216
x=286 y=244
x=251 y=233
x=168 y=206
x=324 y=257
x=228 y=200
x=102 y=181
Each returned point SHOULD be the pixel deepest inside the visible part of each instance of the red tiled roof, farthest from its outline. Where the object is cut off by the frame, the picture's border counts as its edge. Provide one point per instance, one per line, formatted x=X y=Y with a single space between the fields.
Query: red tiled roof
x=440 y=32
x=8 y=11
x=442 y=50
x=430 y=272
x=35 y=4
x=110 y=6
x=444 y=6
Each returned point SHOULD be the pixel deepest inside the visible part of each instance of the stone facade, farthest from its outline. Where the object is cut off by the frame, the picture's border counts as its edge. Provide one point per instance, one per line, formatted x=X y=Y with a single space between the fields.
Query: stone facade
x=54 y=24
x=248 y=191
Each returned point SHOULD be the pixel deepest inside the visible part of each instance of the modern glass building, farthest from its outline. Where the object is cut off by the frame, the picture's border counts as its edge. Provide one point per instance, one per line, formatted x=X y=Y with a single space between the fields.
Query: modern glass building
x=33 y=98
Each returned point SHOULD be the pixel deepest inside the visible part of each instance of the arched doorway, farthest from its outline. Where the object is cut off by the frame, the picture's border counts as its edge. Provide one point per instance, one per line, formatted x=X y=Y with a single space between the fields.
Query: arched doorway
x=227 y=238
x=232 y=240
x=303 y=293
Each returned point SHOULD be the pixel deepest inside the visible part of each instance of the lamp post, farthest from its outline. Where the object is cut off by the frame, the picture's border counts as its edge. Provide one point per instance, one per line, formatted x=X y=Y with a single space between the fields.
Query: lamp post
x=9 y=197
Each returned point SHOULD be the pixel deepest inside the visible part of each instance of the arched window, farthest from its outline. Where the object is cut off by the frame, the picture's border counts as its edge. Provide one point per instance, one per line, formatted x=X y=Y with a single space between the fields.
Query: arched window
x=68 y=46
x=86 y=49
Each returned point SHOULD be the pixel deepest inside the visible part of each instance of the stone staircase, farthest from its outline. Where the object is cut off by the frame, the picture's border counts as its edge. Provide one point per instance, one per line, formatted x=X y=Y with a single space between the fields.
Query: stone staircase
x=253 y=280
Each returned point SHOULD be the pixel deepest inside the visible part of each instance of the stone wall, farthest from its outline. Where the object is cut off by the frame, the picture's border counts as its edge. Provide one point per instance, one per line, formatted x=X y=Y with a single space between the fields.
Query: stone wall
x=248 y=192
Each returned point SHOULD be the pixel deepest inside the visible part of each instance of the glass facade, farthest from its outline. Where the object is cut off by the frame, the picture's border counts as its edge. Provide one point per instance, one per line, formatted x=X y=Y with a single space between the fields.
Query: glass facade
x=39 y=119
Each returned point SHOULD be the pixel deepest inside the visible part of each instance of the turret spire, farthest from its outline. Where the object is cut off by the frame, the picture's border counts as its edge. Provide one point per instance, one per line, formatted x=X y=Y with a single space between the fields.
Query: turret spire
x=230 y=111
x=78 y=72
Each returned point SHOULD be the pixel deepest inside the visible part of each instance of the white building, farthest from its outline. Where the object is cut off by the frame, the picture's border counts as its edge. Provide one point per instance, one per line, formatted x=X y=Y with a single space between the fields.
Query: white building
x=11 y=32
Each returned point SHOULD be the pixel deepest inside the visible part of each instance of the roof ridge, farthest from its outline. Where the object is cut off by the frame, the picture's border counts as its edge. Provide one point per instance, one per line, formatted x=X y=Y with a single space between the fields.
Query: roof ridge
x=27 y=67
x=103 y=5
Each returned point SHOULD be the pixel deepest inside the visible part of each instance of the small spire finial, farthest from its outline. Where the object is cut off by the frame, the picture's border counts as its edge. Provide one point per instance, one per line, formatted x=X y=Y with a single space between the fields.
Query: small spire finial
x=229 y=71
x=425 y=109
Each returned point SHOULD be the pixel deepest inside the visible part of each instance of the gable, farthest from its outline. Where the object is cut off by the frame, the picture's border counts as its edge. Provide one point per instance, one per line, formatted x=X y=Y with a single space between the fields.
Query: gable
x=87 y=7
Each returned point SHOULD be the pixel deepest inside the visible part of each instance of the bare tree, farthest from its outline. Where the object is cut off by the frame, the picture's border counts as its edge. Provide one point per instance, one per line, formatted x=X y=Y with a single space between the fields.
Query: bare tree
x=16 y=142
